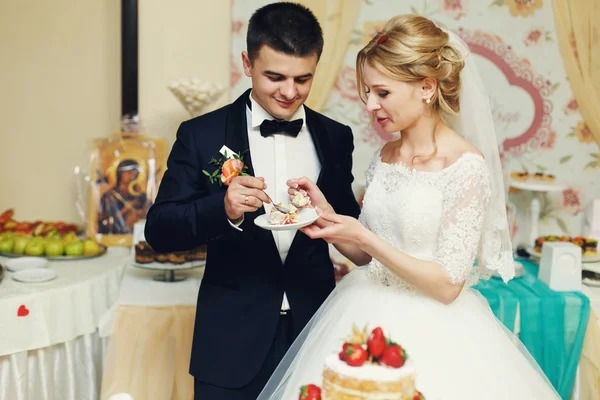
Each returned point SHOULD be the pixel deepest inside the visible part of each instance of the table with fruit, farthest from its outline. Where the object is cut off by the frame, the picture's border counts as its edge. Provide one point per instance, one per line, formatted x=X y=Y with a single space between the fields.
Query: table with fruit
x=54 y=240
x=42 y=321
x=82 y=283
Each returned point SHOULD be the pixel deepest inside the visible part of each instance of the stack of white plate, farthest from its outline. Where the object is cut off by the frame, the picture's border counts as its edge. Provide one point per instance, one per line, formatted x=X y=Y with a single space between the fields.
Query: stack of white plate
x=592 y=278
x=30 y=269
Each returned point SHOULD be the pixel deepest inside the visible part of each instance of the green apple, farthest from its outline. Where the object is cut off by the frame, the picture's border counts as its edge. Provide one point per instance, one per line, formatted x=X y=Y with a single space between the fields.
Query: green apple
x=20 y=244
x=35 y=248
x=6 y=235
x=54 y=248
x=90 y=247
x=53 y=234
x=74 y=248
x=6 y=245
x=70 y=237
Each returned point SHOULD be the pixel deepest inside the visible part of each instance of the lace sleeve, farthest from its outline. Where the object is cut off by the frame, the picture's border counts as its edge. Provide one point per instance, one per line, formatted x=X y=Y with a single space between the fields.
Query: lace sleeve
x=371 y=169
x=465 y=198
x=369 y=178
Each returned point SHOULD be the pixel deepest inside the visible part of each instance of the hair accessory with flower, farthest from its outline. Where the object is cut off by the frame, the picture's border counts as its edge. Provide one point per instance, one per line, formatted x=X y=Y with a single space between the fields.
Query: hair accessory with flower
x=230 y=166
x=382 y=38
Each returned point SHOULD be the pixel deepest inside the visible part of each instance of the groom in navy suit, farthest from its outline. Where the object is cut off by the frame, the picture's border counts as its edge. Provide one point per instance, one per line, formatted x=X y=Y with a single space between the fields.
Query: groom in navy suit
x=260 y=287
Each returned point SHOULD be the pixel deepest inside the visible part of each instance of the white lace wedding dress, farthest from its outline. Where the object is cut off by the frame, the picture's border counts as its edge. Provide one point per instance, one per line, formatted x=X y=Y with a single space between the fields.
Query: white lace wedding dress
x=461 y=350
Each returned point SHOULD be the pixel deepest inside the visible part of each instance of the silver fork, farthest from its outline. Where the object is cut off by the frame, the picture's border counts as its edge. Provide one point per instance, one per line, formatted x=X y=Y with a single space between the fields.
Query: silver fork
x=281 y=209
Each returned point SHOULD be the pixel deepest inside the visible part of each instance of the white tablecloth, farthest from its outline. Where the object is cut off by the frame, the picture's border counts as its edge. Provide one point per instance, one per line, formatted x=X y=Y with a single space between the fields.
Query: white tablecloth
x=62 y=309
x=65 y=371
x=139 y=289
x=151 y=328
x=54 y=352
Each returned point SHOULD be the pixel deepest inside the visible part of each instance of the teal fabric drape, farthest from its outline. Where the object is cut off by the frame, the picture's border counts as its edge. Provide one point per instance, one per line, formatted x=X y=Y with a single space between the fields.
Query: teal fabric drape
x=552 y=324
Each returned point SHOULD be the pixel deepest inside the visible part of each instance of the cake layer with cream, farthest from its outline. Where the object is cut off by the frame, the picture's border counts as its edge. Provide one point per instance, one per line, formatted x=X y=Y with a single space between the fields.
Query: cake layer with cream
x=367 y=382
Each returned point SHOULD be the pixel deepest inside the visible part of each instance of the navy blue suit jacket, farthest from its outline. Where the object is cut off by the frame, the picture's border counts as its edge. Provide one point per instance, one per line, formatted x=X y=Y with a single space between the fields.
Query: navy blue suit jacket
x=244 y=281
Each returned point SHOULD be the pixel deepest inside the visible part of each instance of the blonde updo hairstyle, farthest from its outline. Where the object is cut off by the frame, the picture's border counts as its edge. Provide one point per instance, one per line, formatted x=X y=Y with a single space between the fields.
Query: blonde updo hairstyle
x=413 y=49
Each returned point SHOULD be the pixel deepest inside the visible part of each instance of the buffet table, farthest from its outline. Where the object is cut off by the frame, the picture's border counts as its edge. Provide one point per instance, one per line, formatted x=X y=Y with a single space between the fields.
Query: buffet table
x=49 y=344
x=552 y=325
x=151 y=328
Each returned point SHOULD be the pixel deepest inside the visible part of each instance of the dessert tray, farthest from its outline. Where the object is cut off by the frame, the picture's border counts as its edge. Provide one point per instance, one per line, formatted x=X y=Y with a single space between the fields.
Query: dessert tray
x=585 y=259
x=168 y=270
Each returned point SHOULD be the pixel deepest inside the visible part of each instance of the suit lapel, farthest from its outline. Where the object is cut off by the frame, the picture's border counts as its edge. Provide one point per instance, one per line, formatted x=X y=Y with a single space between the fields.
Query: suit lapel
x=236 y=131
x=321 y=141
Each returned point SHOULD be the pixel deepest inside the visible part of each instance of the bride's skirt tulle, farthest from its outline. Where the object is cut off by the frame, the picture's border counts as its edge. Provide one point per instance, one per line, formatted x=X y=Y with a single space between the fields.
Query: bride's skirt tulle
x=461 y=351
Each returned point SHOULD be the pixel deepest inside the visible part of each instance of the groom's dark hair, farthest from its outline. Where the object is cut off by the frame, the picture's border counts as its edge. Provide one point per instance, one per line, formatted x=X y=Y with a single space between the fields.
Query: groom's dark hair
x=289 y=28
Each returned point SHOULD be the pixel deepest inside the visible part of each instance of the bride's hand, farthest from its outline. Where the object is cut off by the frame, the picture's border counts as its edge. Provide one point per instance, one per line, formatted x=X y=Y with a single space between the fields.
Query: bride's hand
x=317 y=198
x=339 y=229
x=308 y=188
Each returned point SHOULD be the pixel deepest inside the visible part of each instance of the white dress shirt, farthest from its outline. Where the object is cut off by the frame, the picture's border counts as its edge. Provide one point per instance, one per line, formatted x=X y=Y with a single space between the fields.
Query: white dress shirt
x=278 y=158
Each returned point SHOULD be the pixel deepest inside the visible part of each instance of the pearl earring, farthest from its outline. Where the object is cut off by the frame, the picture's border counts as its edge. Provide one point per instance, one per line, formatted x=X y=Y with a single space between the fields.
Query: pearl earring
x=428 y=101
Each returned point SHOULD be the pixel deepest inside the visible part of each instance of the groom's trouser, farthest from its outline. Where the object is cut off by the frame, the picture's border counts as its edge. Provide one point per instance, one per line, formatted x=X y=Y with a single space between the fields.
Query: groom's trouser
x=283 y=340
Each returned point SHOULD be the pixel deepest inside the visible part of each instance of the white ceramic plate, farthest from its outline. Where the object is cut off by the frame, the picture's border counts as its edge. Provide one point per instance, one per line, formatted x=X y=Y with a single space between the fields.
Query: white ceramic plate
x=22 y=263
x=537 y=186
x=306 y=216
x=34 y=275
x=591 y=282
x=535 y=254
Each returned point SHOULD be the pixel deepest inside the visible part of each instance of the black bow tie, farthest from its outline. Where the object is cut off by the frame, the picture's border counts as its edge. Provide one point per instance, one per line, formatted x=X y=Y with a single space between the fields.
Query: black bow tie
x=272 y=127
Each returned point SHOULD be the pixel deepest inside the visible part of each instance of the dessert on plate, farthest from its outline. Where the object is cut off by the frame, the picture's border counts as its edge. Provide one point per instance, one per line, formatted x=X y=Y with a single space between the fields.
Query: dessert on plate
x=524 y=176
x=519 y=176
x=589 y=246
x=144 y=254
x=177 y=257
x=300 y=200
x=198 y=254
x=276 y=217
x=549 y=178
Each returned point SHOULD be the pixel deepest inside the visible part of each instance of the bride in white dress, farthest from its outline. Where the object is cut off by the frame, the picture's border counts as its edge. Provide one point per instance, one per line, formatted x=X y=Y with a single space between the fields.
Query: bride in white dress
x=434 y=204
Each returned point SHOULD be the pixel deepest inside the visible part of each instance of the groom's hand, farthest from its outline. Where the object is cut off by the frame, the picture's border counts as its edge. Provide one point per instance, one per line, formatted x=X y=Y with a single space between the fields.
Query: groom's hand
x=244 y=194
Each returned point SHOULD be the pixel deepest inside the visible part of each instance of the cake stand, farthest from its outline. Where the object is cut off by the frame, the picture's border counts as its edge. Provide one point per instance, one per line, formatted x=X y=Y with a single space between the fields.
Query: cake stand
x=168 y=270
x=538 y=190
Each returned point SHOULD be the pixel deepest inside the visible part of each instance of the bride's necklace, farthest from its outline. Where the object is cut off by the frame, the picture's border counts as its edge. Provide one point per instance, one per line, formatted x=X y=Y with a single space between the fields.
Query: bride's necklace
x=411 y=166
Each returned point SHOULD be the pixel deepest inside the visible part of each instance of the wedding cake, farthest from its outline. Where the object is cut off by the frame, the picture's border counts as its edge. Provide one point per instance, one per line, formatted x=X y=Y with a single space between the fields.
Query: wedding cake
x=370 y=381
x=369 y=367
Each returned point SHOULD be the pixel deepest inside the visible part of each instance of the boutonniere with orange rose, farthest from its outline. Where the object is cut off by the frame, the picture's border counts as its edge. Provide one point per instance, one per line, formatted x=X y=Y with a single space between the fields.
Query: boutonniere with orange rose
x=229 y=166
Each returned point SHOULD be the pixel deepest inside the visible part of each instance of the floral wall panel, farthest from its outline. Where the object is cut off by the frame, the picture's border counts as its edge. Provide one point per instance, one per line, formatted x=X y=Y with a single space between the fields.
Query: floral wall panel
x=538 y=125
